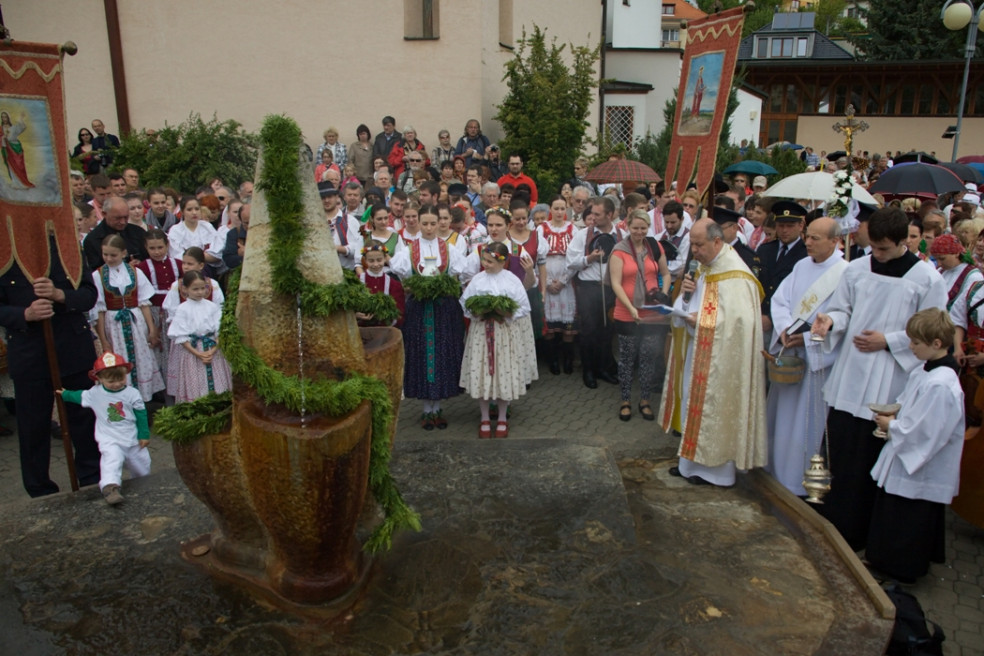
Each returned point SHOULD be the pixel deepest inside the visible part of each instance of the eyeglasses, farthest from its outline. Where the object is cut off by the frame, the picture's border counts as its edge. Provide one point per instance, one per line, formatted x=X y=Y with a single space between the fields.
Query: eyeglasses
x=221 y=197
x=690 y=205
x=416 y=159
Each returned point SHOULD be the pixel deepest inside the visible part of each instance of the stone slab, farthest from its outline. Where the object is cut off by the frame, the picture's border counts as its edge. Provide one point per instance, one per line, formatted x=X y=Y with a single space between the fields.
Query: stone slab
x=529 y=546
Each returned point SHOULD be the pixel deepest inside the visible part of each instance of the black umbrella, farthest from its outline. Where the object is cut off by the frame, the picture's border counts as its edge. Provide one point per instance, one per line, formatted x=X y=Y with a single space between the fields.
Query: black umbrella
x=836 y=155
x=915 y=156
x=908 y=179
x=964 y=172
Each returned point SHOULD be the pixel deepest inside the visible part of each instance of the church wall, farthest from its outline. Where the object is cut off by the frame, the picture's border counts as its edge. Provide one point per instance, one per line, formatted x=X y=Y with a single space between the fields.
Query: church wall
x=895 y=133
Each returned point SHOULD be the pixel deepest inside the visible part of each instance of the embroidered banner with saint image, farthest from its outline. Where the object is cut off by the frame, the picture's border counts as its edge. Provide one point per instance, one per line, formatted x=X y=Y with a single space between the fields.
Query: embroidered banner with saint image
x=35 y=196
x=702 y=100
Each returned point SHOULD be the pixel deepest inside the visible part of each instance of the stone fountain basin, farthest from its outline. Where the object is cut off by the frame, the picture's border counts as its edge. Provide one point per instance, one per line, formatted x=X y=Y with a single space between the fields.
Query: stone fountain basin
x=529 y=547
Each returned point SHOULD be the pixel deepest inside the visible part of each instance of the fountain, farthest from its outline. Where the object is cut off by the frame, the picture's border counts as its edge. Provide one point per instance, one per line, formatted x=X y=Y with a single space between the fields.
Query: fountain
x=287 y=481
x=545 y=545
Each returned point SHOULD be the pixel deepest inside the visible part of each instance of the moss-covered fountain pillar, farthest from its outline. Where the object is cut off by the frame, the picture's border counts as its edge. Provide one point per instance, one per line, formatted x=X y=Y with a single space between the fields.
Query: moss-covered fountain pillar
x=313 y=405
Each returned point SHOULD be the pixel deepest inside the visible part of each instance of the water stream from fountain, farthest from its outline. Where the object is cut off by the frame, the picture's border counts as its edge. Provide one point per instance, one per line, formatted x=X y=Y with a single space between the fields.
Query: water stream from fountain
x=300 y=357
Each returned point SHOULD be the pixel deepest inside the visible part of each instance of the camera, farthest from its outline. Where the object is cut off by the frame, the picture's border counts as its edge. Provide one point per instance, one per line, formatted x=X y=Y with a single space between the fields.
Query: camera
x=493 y=148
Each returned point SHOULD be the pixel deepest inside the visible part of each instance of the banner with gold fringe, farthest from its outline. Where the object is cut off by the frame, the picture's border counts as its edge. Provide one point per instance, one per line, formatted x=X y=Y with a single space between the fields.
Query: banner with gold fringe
x=35 y=196
x=702 y=100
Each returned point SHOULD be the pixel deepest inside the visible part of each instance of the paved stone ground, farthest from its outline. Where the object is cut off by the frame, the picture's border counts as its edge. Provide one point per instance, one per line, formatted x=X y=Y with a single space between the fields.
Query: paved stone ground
x=560 y=406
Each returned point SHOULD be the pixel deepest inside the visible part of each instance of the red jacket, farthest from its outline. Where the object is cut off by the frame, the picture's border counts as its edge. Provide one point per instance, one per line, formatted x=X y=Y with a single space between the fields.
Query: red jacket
x=399 y=152
x=522 y=178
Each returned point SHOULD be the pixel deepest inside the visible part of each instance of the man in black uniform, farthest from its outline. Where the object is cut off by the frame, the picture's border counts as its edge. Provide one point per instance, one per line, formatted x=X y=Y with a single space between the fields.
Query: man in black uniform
x=23 y=306
x=728 y=220
x=778 y=257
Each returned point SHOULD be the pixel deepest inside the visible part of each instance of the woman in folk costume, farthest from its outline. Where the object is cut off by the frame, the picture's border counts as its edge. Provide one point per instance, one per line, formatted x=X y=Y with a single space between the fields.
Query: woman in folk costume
x=199 y=367
x=959 y=277
x=162 y=271
x=193 y=260
x=379 y=281
x=377 y=229
x=559 y=304
x=124 y=295
x=525 y=239
x=433 y=325
x=192 y=231
x=500 y=339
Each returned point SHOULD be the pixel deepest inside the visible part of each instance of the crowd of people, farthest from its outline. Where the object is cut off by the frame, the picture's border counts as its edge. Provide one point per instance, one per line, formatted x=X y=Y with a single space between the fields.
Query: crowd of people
x=639 y=282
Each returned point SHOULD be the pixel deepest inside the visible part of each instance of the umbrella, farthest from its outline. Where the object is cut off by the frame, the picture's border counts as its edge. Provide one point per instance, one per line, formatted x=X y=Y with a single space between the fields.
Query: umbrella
x=914 y=156
x=621 y=170
x=971 y=159
x=977 y=166
x=751 y=167
x=784 y=145
x=965 y=172
x=814 y=185
x=915 y=179
x=836 y=155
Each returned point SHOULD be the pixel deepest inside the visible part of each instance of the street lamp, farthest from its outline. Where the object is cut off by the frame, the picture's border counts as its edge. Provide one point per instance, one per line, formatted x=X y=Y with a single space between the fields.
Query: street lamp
x=956 y=15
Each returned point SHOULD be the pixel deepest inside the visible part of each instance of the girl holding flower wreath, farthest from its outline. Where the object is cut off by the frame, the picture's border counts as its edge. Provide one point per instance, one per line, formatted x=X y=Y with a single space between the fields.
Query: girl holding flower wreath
x=500 y=343
x=377 y=280
x=433 y=325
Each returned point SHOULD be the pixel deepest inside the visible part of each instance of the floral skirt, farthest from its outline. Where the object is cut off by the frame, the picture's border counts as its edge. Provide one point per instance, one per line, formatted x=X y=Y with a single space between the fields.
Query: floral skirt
x=513 y=366
x=187 y=378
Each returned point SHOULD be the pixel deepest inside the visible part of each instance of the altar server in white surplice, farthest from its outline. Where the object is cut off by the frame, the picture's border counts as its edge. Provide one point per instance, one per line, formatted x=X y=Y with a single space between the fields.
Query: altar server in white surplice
x=796 y=413
x=866 y=316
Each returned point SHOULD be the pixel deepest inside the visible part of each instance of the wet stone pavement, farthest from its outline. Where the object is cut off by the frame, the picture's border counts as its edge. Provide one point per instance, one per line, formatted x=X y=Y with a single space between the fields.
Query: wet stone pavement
x=566 y=538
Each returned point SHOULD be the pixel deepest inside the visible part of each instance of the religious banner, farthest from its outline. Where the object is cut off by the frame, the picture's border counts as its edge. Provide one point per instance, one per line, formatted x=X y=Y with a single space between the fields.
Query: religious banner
x=702 y=100
x=35 y=196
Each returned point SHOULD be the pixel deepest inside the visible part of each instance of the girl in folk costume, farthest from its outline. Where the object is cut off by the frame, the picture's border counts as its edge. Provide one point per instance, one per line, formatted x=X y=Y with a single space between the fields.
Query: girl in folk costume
x=125 y=294
x=433 y=325
x=199 y=367
x=410 y=231
x=379 y=230
x=521 y=264
x=526 y=240
x=192 y=231
x=473 y=231
x=444 y=230
x=378 y=281
x=559 y=304
x=162 y=271
x=500 y=356
x=959 y=277
x=193 y=260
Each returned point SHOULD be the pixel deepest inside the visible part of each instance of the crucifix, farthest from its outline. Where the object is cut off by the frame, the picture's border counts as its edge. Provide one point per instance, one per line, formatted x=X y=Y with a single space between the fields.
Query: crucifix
x=849 y=126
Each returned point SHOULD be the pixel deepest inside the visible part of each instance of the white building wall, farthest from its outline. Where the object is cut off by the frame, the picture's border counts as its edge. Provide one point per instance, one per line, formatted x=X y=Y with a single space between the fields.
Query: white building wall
x=747 y=119
x=637 y=24
x=660 y=69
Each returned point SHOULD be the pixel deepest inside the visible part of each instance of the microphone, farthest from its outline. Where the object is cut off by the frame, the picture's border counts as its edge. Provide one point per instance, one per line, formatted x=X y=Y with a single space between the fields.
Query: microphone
x=691 y=270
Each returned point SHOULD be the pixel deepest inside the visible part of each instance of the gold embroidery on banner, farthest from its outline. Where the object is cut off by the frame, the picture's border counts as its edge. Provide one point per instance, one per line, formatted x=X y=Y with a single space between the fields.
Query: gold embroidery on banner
x=706 y=326
x=30 y=65
x=712 y=31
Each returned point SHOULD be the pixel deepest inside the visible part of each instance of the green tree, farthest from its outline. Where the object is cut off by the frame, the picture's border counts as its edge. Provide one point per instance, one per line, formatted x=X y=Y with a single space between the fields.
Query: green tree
x=544 y=113
x=907 y=30
x=188 y=155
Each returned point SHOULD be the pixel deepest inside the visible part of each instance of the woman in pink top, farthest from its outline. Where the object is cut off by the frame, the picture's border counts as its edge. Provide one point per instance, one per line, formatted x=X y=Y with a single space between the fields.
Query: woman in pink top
x=639 y=277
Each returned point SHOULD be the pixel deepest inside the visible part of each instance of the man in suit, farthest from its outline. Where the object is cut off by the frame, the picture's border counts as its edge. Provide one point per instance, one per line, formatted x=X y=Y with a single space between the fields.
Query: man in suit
x=23 y=306
x=778 y=257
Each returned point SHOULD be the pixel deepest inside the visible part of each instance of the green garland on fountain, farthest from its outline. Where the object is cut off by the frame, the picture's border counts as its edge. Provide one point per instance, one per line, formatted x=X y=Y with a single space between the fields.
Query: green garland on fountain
x=281 y=140
x=186 y=422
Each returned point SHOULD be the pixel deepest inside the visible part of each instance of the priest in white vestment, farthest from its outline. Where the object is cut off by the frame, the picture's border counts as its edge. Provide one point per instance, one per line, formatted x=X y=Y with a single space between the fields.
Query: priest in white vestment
x=714 y=393
x=866 y=316
x=796 y=412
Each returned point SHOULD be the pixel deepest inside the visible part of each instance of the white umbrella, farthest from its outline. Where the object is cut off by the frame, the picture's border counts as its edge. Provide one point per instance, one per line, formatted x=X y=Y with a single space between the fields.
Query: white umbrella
x=815 y=185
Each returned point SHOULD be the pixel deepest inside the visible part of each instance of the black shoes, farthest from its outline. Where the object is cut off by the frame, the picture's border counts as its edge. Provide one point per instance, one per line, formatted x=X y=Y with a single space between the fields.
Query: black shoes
x=607 y=377
x=589 y=379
